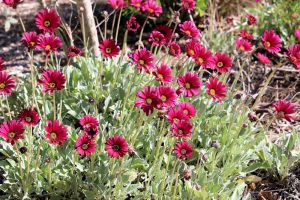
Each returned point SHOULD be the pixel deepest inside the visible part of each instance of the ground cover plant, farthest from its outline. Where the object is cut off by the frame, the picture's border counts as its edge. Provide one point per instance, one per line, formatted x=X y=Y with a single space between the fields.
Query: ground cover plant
x=168 y=116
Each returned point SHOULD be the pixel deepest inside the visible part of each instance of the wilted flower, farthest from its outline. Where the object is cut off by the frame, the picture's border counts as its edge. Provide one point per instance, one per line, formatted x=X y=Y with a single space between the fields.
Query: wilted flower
x=47 y=20
x=74 y=51
x=246 y=35
x=147 y=99
x=49 y=43
x=183 y=150
x=252 y=117
x=187 y=174
x=116 y=146
x=29 y=117
x=190 y=84
x=90 y=125
x=263 y=59
x=56 y=132
x=243 y=45
x=2 y=64
x=271 y=41
x=152 y=7
x=294 y=54
x=12 y=3
x=188 y=4
x=251 y=19
x=189 y=29
x=30 y=39
x=85 y=146
x=163 y=73
x=285 y=109
x=109 y=48
x=52 y=80
x=222 y=62
x=215 y=89
x=132 y=24
x=143 y=58
x=7 y=83
x=174 y=49
x=12 y=131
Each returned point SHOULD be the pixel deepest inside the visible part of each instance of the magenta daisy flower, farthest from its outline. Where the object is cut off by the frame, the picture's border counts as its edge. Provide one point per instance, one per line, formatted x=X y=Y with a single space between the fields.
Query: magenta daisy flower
x=243 y=45
x=215 y=89
x=294 y=54
x=203 y=57
x=147 y=99
x=30 y=40
x=176 y=115
x=29 y=117
x=190 y=84
x=271 y=41
x=163 y=73
x=174 y=49
x=52 y=80
x=191 y=46
x=12 y=131
x=12 y=3
x=49 y=43
x=143 y=58
x=2 y=64
x=152 y=8
x=7 y=83
x=109 y=48
x=188 y=109
x=116 y=146
x=263 y=59
x=285 y=109
x=74 y=51
x=47 y=20
x=137 y=4
x=251 y=20
x=166 y=31
x=90 y=125
x=189 y=29
x=156 y=38
x=222 y=62
x=182 y=129
x=85 y=146
x=188 y=4
x=246 y=35
x=167 y=96
x=117 y=4
x=56 y=132
x=183 y=150
x=132 y=24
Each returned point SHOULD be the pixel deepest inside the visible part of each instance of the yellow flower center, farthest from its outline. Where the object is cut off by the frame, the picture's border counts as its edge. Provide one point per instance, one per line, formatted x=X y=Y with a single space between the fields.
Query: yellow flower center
x=141 y=62
x=188 y=32
x=212 y=92
x=47 y=23
x=200 y=60
x=52 y=85
x=267 y=44
x=85 y=146
x=220 y=64
x=160 y=76
x=32 y=44
x=11 y=135
x=187 y=85
x=151 y=10
x=163 y=98
x=48 y=47
x=2 y=85
x=108 y=50
x=191 y=52
x=242 y=48
x=185 y=111
x=53 y=135
x=149 y=101
x=175 y=120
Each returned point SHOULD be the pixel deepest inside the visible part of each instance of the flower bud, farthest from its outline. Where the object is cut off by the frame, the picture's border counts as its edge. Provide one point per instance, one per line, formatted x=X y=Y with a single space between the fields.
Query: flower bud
x=252 y=116
x=216 y=145
x=187 y=174
x=23 y=150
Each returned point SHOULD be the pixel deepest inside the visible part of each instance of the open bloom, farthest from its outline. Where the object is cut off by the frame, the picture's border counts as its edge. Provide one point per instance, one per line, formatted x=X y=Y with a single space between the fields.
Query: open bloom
x=297 y=35
x=12 y=3
x=188 y=109
x=263 y=59
x=30 y=40
x=137 y=4
x=188 y=4
x=271 y=41
x=183 y=150
x=246 y=35
x=285 y=109
x=189 y=29
x=215 y=89
x=152 y=7
x=56 y=132
x=243 y=45
x=117 y=4
x=203 y=57
x=251 y=19
x=49 y=43
x=85 y=146
x=52 y=80
x=2 y=64
x=191 y=46
x=157 y=38
x=47 y=20
x=174 y=49
x=90 y=125
x=147 y=99
x=29 y=117
x=176 y=115
x=294 y=54
x=163 y=73
x=143 y=58
x=182 y=129
x=109 y=48
x=12 y=131
x=190 y=84
x=167 y=96
x=7 y=83
x=222 y=62
x=132 y=24
x=74 y=51
x=116 y=146
x=166 y=31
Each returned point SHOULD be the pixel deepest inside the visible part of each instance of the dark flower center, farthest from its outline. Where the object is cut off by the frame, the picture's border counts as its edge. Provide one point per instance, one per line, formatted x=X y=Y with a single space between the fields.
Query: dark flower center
x=183 y=151
x=53 y=135
x=85 y=146
x=47 y=23
x=180 y=131
x=220 y=64
x=11 y=135
x=108 y=50
x=116 y=147
x=2 y=85
x=28 y=119
x=52 y=85
x=91 y=131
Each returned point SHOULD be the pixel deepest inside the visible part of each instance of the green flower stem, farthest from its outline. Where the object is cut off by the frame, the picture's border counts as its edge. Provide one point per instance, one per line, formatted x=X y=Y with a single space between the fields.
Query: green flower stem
x=113 y=25
x=118 y=25
x=20 y=168
x=29 y=155
x=54 y=107
x=2 y=109
x=176 y=182
x=8 y=107
x=142 y=31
